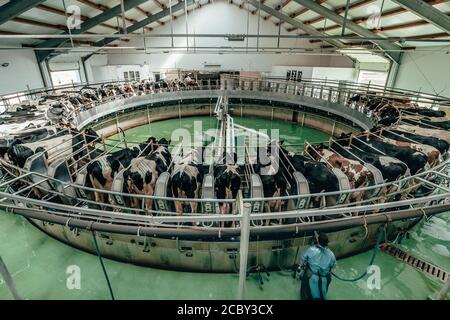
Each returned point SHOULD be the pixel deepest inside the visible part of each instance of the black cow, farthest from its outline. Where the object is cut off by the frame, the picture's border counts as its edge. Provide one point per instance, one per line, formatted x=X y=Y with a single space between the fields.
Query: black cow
x=320 y=178
x=439 y=144
x=415 y=160
x=425 y=112
x=428 y=123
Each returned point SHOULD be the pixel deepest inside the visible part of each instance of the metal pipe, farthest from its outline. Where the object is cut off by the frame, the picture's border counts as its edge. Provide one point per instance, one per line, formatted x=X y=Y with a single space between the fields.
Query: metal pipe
x=345 y=18
x=280 y=231
x=223 y=35
x=244 y=244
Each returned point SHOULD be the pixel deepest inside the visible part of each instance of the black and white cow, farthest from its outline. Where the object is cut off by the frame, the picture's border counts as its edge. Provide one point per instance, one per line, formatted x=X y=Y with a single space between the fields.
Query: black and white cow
x=187 y=178
x=73 y=145
x=272 y=176
x=27 y=136
x=102 y=171
x=141 y=175
x=227 y=182
x=160 y=86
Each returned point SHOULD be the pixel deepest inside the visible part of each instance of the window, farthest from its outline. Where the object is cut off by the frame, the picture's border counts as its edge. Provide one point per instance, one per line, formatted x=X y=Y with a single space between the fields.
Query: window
x=132 y=76
x=294 y=75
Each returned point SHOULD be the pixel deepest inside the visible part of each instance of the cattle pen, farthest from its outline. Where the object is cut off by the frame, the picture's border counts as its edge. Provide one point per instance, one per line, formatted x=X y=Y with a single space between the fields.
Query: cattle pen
x=52 y=189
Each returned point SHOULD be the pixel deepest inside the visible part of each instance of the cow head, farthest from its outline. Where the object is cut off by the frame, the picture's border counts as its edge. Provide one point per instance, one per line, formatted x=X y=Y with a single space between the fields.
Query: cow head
x=345 y=139
x=315 y=151
x=164 y=142
x=153 y=142
x=91 y=135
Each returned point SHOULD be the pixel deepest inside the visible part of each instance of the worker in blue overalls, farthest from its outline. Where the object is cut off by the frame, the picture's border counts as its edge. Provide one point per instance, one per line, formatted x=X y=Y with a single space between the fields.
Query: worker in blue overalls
x=316 y=267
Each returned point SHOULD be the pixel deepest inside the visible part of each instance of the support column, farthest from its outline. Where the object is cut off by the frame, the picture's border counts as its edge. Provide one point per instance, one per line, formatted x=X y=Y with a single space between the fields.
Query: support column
x=45 y=74
x=243 y=251
x=392 y=76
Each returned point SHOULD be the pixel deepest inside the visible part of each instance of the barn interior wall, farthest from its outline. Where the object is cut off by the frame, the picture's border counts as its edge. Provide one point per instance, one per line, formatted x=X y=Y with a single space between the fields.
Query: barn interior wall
x=426 y=70
x=21 y=73
x=227 y=20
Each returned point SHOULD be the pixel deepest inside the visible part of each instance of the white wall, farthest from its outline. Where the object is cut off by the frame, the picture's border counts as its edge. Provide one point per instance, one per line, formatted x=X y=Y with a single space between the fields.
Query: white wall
x=228 y=19
x=332 y=73
x=23 y=70
x=426 y=71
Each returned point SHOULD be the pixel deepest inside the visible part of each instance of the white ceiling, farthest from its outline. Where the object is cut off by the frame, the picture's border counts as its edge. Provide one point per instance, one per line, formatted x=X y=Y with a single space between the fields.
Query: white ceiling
x=38 y=15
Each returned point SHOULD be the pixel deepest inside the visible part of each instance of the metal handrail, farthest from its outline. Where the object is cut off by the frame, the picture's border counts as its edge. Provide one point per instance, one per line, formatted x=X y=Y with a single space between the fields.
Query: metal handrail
x=98 y=215
x=313 y=212
x=442 y=166
x=355 y=88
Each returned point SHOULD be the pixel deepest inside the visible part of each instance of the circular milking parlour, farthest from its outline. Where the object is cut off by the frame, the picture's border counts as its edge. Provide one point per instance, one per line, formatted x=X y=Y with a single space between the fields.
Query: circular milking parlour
x=69 y=168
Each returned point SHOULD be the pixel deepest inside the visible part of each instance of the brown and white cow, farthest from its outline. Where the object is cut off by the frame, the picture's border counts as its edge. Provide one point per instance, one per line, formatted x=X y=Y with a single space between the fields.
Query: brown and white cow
x=358 y=175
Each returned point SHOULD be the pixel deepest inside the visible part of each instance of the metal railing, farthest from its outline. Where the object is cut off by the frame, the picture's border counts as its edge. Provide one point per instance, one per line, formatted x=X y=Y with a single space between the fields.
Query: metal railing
x=332 y=92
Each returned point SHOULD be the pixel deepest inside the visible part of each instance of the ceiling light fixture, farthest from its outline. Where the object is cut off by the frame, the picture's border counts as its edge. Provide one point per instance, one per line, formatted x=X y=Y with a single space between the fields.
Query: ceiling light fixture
x=235 y=37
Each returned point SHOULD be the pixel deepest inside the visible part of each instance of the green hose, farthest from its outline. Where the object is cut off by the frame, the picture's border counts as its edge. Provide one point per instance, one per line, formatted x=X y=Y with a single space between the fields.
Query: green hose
x=103 y=266
x=372 y=259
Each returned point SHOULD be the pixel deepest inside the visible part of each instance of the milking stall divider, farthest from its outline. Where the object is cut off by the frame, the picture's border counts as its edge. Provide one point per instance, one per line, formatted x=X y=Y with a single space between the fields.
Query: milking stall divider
x=199 y=241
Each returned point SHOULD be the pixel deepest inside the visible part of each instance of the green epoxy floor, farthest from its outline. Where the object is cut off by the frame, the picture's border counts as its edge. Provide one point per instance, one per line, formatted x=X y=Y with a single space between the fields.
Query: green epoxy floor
x=38 y=263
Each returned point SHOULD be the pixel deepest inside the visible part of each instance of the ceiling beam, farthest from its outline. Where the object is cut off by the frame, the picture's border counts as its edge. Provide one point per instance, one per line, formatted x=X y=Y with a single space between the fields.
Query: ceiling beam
x=15 y=8
x=427 y=12
x=407 y=25
x=278 y=8
x=162 y=6
x=294 y=22
x=85 y=26
x=341 y=9
x=338 y=10
x=153 y=18
x=148 y=14
x=103 y=8
x=359 y=20
x=39 y=24
x=392 y=50
x=64 y=14
x=83 y=18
